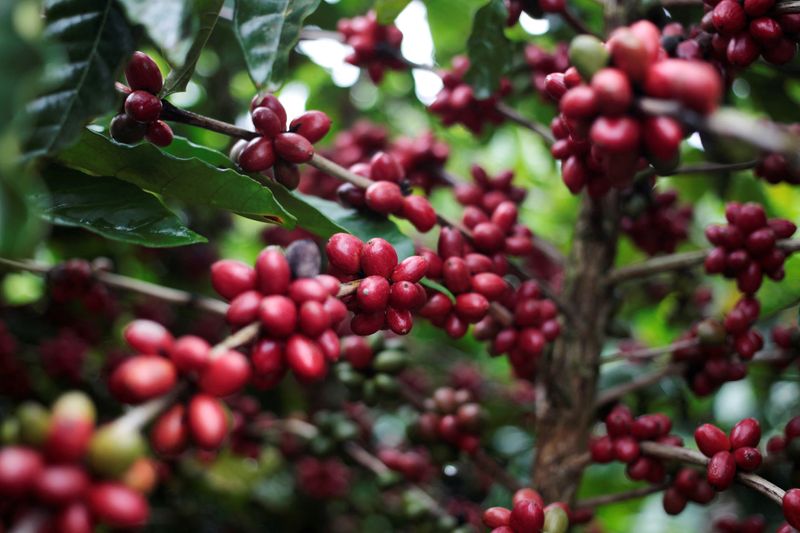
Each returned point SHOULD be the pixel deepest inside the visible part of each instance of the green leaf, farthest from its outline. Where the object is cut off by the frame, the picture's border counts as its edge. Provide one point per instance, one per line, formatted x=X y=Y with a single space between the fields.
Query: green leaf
x=488 y=49
x=451 y=23
x=324 y=218
x=184 y=148
x=438 y=287
x=388 y=10
x=96 y=40
x=267 y=31
x=110 y=207
x=20 y=228
x=775 y=296
x=167 y=22
x=190 y=180
x=178 y=79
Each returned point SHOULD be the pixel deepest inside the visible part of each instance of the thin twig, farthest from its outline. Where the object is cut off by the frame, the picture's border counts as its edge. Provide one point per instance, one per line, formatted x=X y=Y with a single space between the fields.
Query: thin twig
x=606 y=499
x=641 y=382
x=536 y=127
x=684 y=455
x=648 y=353
x=711 y=167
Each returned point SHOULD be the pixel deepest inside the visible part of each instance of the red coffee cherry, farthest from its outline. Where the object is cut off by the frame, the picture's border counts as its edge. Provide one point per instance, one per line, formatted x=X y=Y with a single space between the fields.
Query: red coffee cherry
x=207 y=421
x=791 y=507
x=455 y=327
x=451 y=243
x=526 y=515
x=400 y=321
x=364 y=324
x=270 y=101
x=148 y=337
x=471 y=306
x=729 y=17
x=278 y=315
x=330 y=283
x=225 y=374
x=141 y=378
x=494 y=517
x=357 y=351
x=344 y=252
x=313 y=319
x=170 y=433
x=142 y=73
x=143 y=106
x=695 y=83
x=406 y=295
x=616 y=134
x=663 y=137
x=756 y=8
x=602 y=449
x=747 y=458
x=487 y=237
x=419 y=211
x=70 y=429
x=116 y=505
x=746 y=433
x=385 y=167
x=612 y=90
x=674 y=501
x=74 y=518
x=384 y=197
x=619 y=421
x=579 y=102
x=711 y=440
x=373 y=294
x=626 y=449
x=527 y=494
x=293 y=148
x=243 y=310
x=230 y=278
x=337 y=311
x=330 y=345
x=61 y=484
x=305 y=358
x=267 y=122
x=437 y=307
x=721 y=470
x=378 y=258
x=307 y=289
x=159 y=133
x=257 y=156
x=456 y=275
x=126 y=130
x=313 y=125
x=272 y=272
x=190 y=353
x=489 y=285
x=411 y=269
x=20 y=468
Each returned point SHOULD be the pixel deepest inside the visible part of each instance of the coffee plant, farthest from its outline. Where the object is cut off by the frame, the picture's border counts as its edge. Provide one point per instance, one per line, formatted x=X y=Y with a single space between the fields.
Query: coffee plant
x=519 y=266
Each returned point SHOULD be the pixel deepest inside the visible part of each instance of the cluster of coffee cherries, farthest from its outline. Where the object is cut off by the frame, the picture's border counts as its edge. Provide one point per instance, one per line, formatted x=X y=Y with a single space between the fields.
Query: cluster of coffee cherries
x=142 y=105
x=276 y=147
x=746 y=248
x=659 y=225
x=528 y=514
x=63 y=356
x=774 y=168
x=376 y=46
x=787 y=341
x=386 y=194
x=601 y=141
x=687 y=485
x=543 y=63
x=414 y=465
x=743 y=31
x=63 y=474
x=387 y=293
x=452 y=417
x=475 y=280
x=72 y=283
x=298 y=315
x=727 y=454
x=787 y=443
x=323 y=478
x=534 y=8
x=370 y=376
x=456 y=103
x=621 y=442
x=731 y=524
x=422 y=158
x=490 y=213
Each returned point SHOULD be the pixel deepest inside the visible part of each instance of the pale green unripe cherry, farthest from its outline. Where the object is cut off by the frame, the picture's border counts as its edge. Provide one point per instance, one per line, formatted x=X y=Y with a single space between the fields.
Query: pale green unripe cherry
x=588 y=54
x=114 y=448
x=74 y=405
x=555 y=520
x=34 y=422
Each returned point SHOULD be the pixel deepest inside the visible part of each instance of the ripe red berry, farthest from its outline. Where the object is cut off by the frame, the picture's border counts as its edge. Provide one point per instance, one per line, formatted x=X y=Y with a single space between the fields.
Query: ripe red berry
x=124 y=129
x=143 y=106
x=695 y=83
x=400 y=321
x=616 y=134
x=612 y=90
x=271 y=102
x=61 y=484
x=267 y=122
x=243 y=309
x=711 y=440
x=456 y=275
x=313 y=125
x=378 y=258
x=225 y=374
x=142 y=73
x=419 y=211
x=19 y=469
x=373 y=294
x=728 y=17
x=293 y=148
x=746 y=433
x=148 y=337
x=344 y=252
x=602 y=449
x=142 y=378
x=116 y=505
x=305 y=289
x=674 y=501
x=747 y=459
x=487 y=237
x=471 y=306
x=230 y=278
x=305 y=358
x=411 y=269
x=170 y=433
x=73 y=518
x=207 y=421
x=626 y=449
x=526 y=515
x=494 y=517
x=190 y=353
x=313 y=319
x=364 y=324
x=579 y=102
x=384 y=197
x=721 y=470
x=258 y=155
x=159 y=133
x=278 y=316
x=791 y=507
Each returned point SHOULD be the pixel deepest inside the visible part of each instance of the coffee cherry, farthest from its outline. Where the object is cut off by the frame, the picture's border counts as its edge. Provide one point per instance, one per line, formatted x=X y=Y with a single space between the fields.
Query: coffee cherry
x=143 y=106
x=746 y=433
x=411 y=269
x=116 y=505
x=305 y=358
x=373 y=294
x=526 y=515
x=728 y=17
x=142 y=73
x=278 y=315
x=148 y=337
x=230 y=278
x=602 y=450
x=344 y=252
x=456 y=275
x=400 y=321
x=612 y=90
x=496 y=517
x=711 y=440
x=378 y=258
x=273 y=273
x=267 y=122
x=70 y=429
x=243 y=310
x=674 y=501
x=313 y=125
x=418 y=211
x=747 y=458
x=293 y=148
x=721 y=470
x=365 y=324
x=225 y=374
x=170 y=433
x=190 y=353
x=257 y=156
x=695 y=83
x=616 y=134
x=159 y=133
x=471 y=306
x=73 y=518
x=273 y=104
x=384 y=197
x=126 y=130
x=207 y=421
x=313 y=319
x=487 y=237
x=626 y=449
x=406 y=295
x=141 y=378
x=20 y=468
x=791 y=507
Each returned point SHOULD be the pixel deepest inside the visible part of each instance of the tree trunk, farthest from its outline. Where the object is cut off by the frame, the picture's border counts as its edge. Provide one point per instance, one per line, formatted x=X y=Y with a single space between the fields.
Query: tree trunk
x=568 y=377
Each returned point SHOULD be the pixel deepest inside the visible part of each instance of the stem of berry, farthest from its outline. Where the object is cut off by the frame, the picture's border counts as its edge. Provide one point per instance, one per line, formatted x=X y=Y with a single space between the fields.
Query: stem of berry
x=512 y=115
x=648 y=353
x=606 y=499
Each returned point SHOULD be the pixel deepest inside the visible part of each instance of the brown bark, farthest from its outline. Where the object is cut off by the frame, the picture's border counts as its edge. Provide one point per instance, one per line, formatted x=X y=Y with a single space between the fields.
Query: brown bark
x=568 y=376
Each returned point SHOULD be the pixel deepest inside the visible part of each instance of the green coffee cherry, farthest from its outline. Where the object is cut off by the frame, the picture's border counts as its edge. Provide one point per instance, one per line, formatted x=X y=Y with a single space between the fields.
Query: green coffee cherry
x=386 y=384
x=390 y=361
x=588 y=54
x=74 y=405
x=34 y=422
x=114 y=448
x=556 y=520
x=9 y=431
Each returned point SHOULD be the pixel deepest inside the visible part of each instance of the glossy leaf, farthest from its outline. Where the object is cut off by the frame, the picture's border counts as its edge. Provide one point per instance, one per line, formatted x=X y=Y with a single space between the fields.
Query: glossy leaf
x=96 y=40
x=427 y=282
x=387 y=10
x=167 y=22
x=190 y=180
x=451 y=23
x=488 y=49
x=777 y=296
x=110 y=207
x=267 y=31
